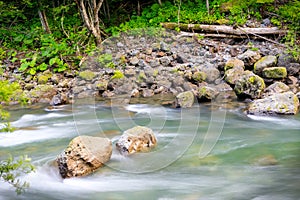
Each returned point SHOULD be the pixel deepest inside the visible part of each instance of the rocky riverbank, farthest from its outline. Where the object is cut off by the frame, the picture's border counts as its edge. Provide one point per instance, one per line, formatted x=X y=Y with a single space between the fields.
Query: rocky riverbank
x=148 y=64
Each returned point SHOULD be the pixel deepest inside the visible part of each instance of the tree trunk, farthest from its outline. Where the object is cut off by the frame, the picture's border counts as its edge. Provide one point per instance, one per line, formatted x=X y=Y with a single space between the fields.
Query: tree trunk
x=159 y=2
x=44 y=21
x=225 y=29
x=89 y=10
x=207 y=6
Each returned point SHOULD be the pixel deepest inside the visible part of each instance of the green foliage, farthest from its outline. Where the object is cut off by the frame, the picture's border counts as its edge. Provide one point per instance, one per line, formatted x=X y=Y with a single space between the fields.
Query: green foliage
x=11 y=169
x=117 y=75
x=106 y=60
x=9 y=92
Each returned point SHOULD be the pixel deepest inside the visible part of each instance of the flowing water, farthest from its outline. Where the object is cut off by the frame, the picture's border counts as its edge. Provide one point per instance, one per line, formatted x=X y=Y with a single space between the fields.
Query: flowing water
x=203 y=153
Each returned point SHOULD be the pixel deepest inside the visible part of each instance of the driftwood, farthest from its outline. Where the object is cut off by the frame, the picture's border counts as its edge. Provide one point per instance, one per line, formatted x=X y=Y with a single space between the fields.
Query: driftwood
x=225 y=29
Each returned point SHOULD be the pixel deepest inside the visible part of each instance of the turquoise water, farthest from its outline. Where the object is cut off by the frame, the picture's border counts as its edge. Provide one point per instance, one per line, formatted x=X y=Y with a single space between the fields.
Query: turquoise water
x=203 y=152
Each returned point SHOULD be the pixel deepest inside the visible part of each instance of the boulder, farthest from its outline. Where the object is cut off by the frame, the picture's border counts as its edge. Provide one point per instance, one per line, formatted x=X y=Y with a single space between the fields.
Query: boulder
x=277 y=87
x=249 y=86
x=234 y=74
x=84 y=155
x=206 y=93
x=264 y=62
x=211 y=71
x=274 y=72
x=249 y=58
x=282 y=103
x=199 y=76
x=233 y=63
x=136 y=139
x=184 y=99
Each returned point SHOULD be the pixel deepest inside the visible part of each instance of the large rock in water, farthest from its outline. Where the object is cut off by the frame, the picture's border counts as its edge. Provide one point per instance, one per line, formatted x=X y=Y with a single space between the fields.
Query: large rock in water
x=249 y=86
x=282 y=103
x=136 y=139
x=84 y=155
x=184 y=99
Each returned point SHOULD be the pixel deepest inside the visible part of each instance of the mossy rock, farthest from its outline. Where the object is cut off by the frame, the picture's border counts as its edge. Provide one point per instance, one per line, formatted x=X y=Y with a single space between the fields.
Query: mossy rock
x=274 y=72
x=42 y=79
x=249 y=86
x=233 y=63
x=282 y=103
x=101 y=85
x=264 y=62
x=234 y=74
x=87 y=75
x=185 y=99
x=199 y=76
x=206 y=93
x=42 y=91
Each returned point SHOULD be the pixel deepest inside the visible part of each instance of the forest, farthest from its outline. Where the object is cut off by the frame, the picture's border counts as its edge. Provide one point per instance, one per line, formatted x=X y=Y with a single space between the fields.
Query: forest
x=56 y=35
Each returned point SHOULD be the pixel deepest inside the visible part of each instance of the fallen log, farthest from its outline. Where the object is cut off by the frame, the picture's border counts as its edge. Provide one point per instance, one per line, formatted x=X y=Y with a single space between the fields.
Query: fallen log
x=224 y=29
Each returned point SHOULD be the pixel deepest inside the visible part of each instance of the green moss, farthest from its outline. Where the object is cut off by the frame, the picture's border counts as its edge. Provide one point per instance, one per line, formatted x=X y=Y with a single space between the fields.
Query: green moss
x=87 y=75
x=117 y=75
x=275 y=72
x=102 y=85
x=155 y=73
x=199 y=76
x=43 y=79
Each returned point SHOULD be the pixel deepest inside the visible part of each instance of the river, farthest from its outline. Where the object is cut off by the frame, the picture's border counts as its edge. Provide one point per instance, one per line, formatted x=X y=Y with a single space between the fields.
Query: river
x=204 y=152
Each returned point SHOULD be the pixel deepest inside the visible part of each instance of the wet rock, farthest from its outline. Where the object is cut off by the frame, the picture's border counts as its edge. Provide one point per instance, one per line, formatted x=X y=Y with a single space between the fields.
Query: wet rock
x=136 y=139
x=135 y=93
x=42 y=92
x=184 y=100
x=147 y=92
x=249 y=86
x=265 y=160
x=234 y=63
x=56 y=100
x=274 y=72
x=101 y=85
x=249 y=58
x=282 y=103
x=264 y=62
x=84 y=155
x=206 y=93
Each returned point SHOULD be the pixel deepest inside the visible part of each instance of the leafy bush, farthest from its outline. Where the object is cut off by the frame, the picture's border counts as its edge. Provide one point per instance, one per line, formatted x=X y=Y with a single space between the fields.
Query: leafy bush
x=11 y=169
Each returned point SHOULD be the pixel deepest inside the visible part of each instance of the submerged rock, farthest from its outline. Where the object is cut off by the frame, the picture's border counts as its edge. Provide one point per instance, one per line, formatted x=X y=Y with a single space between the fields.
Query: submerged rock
x=84 y=155
x=249 y=86
x=282 y=103
x=136 y=139
x=184 y=99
